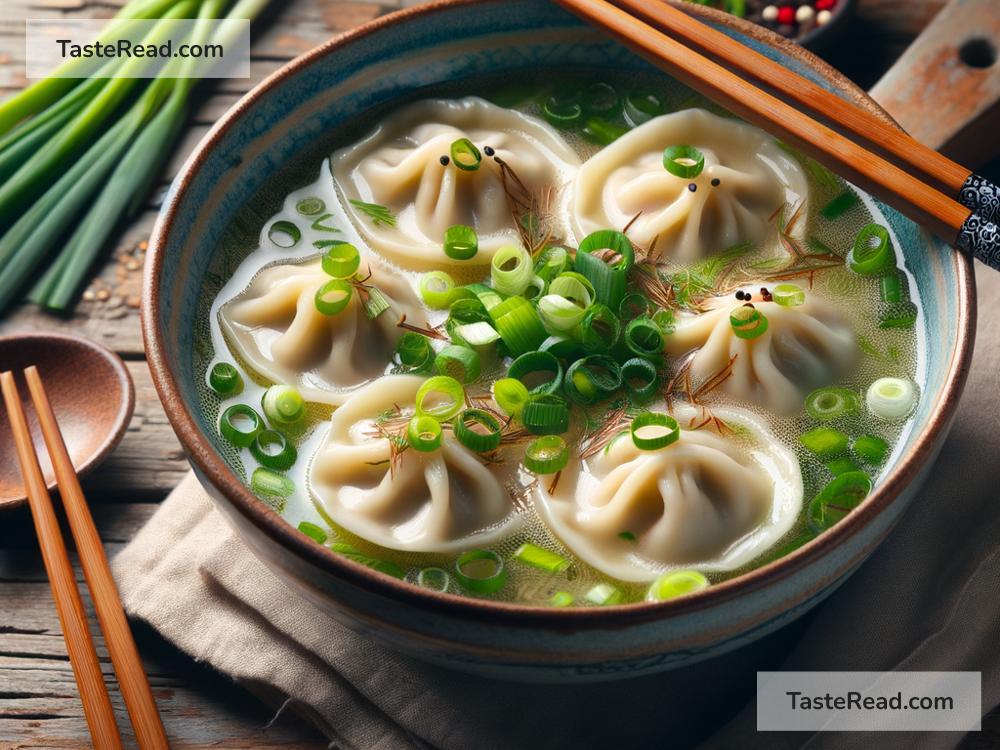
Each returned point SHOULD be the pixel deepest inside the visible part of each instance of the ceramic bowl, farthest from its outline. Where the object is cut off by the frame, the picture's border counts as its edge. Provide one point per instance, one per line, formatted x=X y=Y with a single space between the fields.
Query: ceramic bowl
x=378 y=63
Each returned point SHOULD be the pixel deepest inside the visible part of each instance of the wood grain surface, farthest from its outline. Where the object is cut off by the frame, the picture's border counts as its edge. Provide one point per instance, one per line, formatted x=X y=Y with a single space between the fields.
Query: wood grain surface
x=39 y=706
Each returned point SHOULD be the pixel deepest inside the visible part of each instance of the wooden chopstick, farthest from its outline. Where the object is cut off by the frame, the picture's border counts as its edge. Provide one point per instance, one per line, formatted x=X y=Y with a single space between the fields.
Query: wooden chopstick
x=82 y=656
x=110 y=614
x=871 y=172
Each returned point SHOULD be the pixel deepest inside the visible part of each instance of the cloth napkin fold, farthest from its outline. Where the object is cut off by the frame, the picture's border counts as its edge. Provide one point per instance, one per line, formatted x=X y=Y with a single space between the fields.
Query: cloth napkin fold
x=927 y=600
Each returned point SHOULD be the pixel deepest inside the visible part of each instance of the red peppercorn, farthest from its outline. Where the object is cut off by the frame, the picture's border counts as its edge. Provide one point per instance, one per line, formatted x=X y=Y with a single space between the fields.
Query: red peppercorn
x=826 y=4
x=786 y=15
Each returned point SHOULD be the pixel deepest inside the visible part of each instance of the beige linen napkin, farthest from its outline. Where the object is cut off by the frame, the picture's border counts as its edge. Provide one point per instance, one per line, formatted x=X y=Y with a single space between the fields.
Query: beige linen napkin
x=927 y=600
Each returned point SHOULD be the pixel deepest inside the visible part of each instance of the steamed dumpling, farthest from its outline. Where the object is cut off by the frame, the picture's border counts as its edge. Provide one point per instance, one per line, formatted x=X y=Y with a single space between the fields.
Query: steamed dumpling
x=275 y=327
x=399 y=166
x=627 y=178
x=708 y=501
x=803 y=348
x=431 y=502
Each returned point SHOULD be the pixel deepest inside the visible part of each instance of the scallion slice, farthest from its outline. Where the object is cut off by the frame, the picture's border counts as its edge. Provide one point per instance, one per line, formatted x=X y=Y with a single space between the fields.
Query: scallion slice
x=510 y=395
x=414 y=352
x=354 y=554
x=517 y=322
x=434 y=579
x=838 y=498
x=273 y=450
x=600 y=328
x=575 y=287
x=478 y=430
x=546 y=455
x=826 y=404
x=541 y=372
x=267 y=483
x=748 y=322
x=560 y=315
x=487 y=296
x=465 y=155
x=635 y=305
x=541 y=558
x=825 y=442
x=535 y=289
x=562 y=112
x=375 y=303
x=441 y=397
x=313 y=531
x=592 y=378
x=603 y=132
x=341 y=261
x=461 y=242
x=459 y=362
x=562 y=346
x=643 y=106
x=871 y=449
x=225 y=379
x=605 y=258
x=283 y=405
x=788 y=295
x=477 y=335
x=561 y=599
x=675 y=584
x=605 y=594
x=239 y=424
x=481 y=571
x=545 y=414
x=284 y=234
x=334 y=296
x=601 y=99
x=643 y=337
x=838 y=466
x=652 y=431
x=872 y=254
x=683 y=161
x=639 y=377
x=551 y=262
x=891 y=398
x=423 y=433
x=511 y=269
x=891 y=287
x=437 y=289
x=310 y=206
x=902 y=315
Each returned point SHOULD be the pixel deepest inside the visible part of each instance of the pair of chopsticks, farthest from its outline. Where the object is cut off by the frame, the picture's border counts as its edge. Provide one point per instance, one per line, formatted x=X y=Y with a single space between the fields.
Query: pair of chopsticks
x=121 y=646
x=912 y=182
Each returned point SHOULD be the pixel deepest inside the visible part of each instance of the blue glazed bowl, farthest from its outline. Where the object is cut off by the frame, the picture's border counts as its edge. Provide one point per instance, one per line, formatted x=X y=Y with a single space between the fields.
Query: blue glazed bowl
x=378 y=63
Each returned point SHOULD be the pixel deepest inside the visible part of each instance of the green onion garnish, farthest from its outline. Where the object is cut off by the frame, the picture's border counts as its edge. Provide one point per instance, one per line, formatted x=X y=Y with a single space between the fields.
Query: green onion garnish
x=375 y=303
x=825 y=442
x=341 y=261
x=551 y=262
x=603 y=132
x=604 y=594
x=601 y=99
x=225 y=379
x=310 y=206
x=666 y=320
x=541 y=372
x=635 y=305
x=267 y=483
x=283 y=405
x=639 y=377
x=481 y=571
x=465 y=155
x=560 y=315
x=872 y=253
x=676 y=583
x=788 y=295
x=414 y=352
x=837 y=499
x=423 y=433
x=592 y=378
x=890 y=287
x=747 y=321
x=891 y=398
x=334 y=296
x=840 y=466
x=561 y=599
x=380 y=215
x=543 y=559
x=313 y=531
x=545 y=414
x=441 y=397
x=354 y=554
x=826 y=404
x=546 y=455
x=284 y=234
x=437 y=289
x=511 y=269
x=517 y=322
x=320 y=226
x=478 y=430
x=434 y=579
x=459 y=362
x=605 y=258
x=643 y=106
x=487 y=297
x=643 y=337
x=273 y=450
x=599 y=330
x=476 y=335
x=562 y=112
x=683 y=161
x=902 y=315
x=573 y=287
x=510 y=395
x=839 y=205
x=461 y=242
x=652 y=431
x=239 y=424
x=563 y=347
x=871 y=449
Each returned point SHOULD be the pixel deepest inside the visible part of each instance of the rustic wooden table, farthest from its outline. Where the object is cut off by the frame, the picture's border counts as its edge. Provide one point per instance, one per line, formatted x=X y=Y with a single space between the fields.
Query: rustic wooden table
x=39 y=707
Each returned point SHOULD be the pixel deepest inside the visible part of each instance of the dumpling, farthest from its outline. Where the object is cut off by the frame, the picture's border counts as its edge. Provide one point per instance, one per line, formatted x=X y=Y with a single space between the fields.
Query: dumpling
x=803 y=348
x=275 y=327
x=429 y=502
x=399 y=166
x=746 y=178
x=709 y=501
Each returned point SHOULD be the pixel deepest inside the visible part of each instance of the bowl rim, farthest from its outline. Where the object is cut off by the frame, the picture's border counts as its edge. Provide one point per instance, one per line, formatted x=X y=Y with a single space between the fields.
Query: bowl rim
x=272 y=525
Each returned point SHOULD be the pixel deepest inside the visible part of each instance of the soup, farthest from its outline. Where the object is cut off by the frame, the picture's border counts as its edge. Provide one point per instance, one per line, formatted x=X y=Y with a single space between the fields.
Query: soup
x=583 y=345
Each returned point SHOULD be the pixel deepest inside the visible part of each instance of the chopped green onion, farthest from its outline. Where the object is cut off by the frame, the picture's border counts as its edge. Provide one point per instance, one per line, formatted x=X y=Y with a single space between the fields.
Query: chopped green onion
x=273 y=450
x=341 y=260
x=334 y=296
x=560 y=315
x=872 y=254
x=535 y=288
x=748 y=322
x=441 y=397
x=563 y=113
x=283 y=405
x=675 y=584
x=267 y=483
x=826 y=404
x=643 y=106
x=541 y=372
x=838 y=498
x=600 y=328
x=639 y=377
x=551 y=262
x=225 y=379
x=437 y=289
x=239 y=424
x=891 y=287
x=476 y=335
x=601 y=99
x=459 y=362
x=891 y=398
x=652 y=431
x=604 y=594
x=460 y=242
x=478 y=430
x=825 y=442
x=605 y=258
x=319 y=226
x=562 y=347
x=546 y=455
x=902 y=315
x=311 y=530
x=511 y=269
x=575 y=287
x=465 y=155
x=538 y=557
x=839 y=205
x=683 y=161
x=592 y=378
x=840 y=466
x=481 y=571
x=423 y=433
x=467 y=310
x=375 y=303
x=635 y=305
x=284 y=234
x=561 y=599
x=380 y=215
x=310 y=206
x=788 y=295
x=510 y=395
x=487 y=297
x=545 y=414
x=517 y=322
x=434 y=579
x=666 y=320
x=643 y=337
x=354 y=554
x=414 y=352
x=603 y=132
x=871 y=449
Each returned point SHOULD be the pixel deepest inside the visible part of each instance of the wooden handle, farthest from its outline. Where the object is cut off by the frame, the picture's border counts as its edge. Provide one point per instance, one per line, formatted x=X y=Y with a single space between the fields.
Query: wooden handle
x=79 y=646
x=107 y=602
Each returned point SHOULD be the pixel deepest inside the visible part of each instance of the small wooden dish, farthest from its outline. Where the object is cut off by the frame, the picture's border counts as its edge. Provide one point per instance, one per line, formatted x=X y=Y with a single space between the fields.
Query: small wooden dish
x=91 y=393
